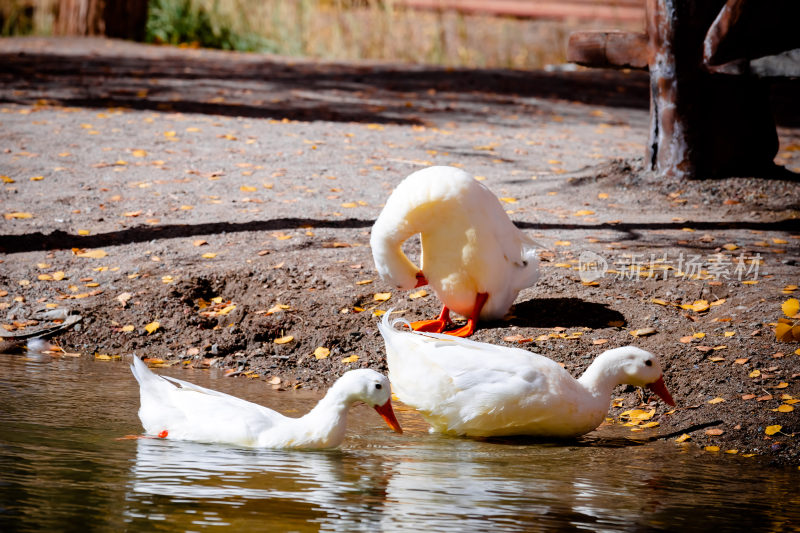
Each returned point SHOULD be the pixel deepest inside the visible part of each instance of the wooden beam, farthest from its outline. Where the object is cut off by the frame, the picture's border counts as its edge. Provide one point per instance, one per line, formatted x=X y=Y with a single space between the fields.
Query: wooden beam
x=619 y=10
x=608 y=49
x=749 y=29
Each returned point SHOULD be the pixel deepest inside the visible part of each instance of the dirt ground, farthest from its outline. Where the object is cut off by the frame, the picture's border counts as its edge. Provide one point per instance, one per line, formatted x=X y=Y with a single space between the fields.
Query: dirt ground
x=229 y=199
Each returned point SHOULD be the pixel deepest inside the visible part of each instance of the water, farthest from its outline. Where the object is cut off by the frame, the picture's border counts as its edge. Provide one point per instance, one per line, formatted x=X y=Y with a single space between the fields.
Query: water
x=62 y=468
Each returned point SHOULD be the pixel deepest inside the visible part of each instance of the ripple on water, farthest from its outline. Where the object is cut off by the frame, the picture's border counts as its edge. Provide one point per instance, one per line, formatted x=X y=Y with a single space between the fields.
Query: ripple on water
x=60 y=464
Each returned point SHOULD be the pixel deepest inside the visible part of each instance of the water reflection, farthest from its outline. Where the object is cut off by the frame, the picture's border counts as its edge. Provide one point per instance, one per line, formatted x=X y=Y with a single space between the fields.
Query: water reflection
x=304 y=489
x=61 y=469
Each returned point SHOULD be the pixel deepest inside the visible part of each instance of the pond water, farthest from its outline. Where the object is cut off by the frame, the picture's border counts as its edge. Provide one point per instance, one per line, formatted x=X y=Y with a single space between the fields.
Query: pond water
x=62 y=468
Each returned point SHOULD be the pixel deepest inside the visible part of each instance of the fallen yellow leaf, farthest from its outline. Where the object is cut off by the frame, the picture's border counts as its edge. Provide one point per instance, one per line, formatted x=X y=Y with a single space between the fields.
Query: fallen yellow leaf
x=321 y=352
x=352 y=359
x=209 y=255
x=683 y=438
x=17 y=214
x=418 y=294
x=791 y=307
x=93 y=254
x=711 y=448
x=102 y=357
x=284 y=339
x=771 y=430
x=716 y=400
x=152 y=327
x=583 y=213
x=382 y=296
x=755 y=373
x=638 y=414
x=128 y=328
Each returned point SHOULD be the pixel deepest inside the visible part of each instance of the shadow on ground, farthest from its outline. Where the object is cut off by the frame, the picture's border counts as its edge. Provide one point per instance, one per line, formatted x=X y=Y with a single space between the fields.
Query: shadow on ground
x=102 y=73
x=564 y=312
x=59 y=240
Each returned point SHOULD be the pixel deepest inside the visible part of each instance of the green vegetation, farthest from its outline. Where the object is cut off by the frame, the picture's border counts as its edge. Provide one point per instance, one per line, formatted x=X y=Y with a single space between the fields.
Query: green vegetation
x=190 y=22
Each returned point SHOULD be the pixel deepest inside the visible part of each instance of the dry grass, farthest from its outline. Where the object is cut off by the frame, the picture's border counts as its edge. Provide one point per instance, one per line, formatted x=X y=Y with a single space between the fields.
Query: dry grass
x=371 y=29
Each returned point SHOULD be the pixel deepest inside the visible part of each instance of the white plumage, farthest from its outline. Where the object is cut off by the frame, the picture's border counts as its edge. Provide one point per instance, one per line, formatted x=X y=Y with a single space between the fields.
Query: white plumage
x=175 y=409
x=473 y=256
x=464 y=387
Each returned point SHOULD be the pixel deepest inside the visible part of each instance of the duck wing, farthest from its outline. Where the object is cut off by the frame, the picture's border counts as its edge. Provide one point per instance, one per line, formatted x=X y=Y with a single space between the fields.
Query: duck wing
x=189 y=411
x=459 y=383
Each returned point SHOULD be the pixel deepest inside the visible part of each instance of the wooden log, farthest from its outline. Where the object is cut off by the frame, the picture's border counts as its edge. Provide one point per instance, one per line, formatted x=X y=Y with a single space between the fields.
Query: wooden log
x=608 y=49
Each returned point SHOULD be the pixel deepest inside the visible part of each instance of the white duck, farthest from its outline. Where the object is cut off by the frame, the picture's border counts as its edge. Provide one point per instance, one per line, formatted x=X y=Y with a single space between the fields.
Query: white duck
x=473 y=256
x=464 y=387
x=172 y=408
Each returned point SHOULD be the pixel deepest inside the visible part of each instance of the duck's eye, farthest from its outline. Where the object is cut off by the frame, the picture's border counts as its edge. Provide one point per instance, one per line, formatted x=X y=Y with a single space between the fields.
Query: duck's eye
x=649 y=362
x=378 y=386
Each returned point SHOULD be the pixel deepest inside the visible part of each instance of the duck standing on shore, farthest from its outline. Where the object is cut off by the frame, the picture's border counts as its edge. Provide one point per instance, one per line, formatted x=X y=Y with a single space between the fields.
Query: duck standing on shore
x=473 y=257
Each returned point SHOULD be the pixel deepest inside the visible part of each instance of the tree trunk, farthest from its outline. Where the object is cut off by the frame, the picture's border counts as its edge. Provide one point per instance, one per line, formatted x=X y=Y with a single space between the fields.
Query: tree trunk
x=701 y=124
x=123 y=19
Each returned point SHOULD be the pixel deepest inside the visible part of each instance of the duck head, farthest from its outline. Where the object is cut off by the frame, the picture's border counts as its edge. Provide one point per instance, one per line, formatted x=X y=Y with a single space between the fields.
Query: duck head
x=641 y=368
x=373 y=389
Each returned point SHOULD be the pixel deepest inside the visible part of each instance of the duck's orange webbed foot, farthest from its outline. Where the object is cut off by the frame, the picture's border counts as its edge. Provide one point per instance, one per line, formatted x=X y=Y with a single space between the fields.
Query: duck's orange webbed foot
x=468 y=329
x=431 y=326
x=464 y=331
x=436 y=325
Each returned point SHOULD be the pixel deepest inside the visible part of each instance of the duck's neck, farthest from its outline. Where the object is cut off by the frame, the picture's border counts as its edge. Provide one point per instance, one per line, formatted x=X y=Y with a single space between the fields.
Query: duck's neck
x=391 y=262
x=602 y=376
x=322 y=427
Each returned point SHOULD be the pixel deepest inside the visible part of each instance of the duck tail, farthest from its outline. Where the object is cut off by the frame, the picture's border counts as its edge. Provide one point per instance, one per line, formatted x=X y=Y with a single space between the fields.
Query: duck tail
x=390 y=333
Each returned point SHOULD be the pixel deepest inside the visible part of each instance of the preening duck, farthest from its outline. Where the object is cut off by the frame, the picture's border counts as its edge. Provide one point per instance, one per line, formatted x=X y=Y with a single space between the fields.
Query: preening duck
x=474 y=258
x=463 y=387
x=175 y=409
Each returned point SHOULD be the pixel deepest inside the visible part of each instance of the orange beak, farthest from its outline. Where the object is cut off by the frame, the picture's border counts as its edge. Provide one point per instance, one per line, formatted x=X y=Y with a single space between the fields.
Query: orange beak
x=660 y=388
x=387 y=413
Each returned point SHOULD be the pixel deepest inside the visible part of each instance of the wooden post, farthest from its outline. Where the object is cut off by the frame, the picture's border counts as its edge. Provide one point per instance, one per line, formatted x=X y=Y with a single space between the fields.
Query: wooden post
x=701 y=124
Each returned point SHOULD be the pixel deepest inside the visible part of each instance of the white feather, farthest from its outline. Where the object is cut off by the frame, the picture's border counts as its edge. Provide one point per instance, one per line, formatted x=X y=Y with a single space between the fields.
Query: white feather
x=469 y=245
x=470 y=388
x=190 y=412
